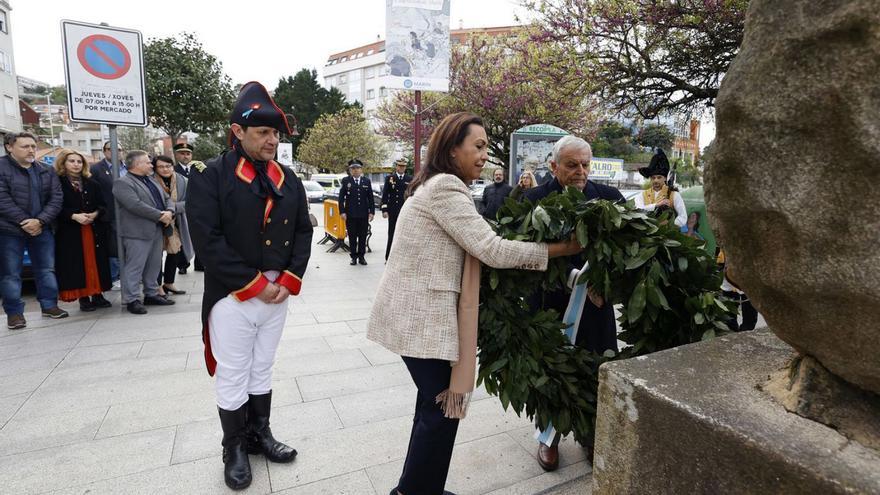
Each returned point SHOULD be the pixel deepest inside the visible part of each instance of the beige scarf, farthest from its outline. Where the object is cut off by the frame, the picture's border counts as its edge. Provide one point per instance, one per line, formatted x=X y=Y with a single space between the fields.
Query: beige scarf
x=173 y=243
x=454 y=400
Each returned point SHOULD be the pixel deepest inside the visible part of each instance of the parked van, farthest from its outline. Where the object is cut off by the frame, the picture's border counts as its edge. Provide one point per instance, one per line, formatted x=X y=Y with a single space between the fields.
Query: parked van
x=329 y=182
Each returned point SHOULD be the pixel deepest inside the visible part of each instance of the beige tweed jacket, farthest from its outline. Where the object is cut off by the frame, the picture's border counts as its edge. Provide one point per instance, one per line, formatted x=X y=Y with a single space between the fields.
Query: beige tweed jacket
x=414 y=311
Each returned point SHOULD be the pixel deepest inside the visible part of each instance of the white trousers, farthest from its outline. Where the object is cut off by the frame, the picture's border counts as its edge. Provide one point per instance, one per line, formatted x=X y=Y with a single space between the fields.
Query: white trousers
x=244 y=338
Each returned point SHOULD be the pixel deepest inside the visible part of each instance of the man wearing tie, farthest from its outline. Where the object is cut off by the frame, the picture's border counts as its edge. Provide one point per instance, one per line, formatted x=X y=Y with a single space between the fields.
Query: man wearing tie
x=393 y=195
x=183 y=154
x=357 y=206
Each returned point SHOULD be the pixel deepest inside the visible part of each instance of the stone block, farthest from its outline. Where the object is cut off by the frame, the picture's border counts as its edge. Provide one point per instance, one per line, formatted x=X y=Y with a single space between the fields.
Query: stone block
x=694 y=420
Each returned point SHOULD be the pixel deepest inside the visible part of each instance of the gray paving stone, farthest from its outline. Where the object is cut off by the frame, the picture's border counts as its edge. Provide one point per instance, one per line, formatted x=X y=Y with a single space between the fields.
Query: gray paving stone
x=352 y=381
x=201 y=477
x=9 y=406
x=378 y=355
x=123 y=329
x=342 y=451
x=38 y=343
x=376 y=405
x=481 y=466
x=26 y=364
x=101 y=353
x=171 y=346
x=25 y=433
x=485 y=418
x=358 y=326
x=313 y=330
x=316 y=364
x=201 y=439
x=341 y=314
x=356 y=483
x=132 y=417
x=353 y=341
x=297 y=318
x=70 y=465
x=573 y=475
x=22 y=382
x=96 y=371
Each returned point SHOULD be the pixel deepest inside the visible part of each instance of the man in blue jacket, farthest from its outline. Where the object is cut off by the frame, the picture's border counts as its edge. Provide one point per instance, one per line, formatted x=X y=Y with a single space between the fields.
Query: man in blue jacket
x=597 y=330
x=30 y=199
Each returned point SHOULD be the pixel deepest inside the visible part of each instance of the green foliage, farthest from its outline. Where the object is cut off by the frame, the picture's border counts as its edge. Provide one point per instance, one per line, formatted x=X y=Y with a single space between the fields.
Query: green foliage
x=614 y=140
x=186 y=87
x=337 y=138
x=135 y=138
x=206 y=147
x=668 y=286
x=304 y=98
x=656 y=136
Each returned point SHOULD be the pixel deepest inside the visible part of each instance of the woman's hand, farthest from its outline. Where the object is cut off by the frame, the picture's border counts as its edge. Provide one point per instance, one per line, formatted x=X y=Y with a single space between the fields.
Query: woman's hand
x=81 y=218
x=570 y=247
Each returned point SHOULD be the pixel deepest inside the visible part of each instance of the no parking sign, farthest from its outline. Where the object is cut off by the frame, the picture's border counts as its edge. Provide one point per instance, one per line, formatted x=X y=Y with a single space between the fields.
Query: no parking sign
x=104 y=70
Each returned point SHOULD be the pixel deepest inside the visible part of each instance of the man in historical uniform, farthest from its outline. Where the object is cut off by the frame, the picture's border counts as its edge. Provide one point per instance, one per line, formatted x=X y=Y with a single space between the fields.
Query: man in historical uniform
x=357 y=206
x=597 y=329
x=660 y=196
x=249 y=222
x=393 y=195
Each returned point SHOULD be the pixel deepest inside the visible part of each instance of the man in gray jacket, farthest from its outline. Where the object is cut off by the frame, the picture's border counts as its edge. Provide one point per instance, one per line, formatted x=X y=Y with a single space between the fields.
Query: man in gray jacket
x=30 y=199
x=144 y=212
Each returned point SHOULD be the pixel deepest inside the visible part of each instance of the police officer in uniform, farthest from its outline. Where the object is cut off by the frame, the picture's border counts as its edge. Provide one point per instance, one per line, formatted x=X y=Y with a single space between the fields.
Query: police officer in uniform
x=392 y=198
x=183 y=154
x=357 y=206
x=249 y=222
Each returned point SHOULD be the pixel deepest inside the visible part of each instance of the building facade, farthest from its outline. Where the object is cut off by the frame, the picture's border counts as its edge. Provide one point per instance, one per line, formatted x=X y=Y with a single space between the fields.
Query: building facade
x=10 y=113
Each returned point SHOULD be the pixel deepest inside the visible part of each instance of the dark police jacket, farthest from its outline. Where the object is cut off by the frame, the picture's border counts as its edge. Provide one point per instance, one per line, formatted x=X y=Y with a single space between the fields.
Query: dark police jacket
x=597 y=330
x=354 y=201
x=394 y=192
x=237 y=235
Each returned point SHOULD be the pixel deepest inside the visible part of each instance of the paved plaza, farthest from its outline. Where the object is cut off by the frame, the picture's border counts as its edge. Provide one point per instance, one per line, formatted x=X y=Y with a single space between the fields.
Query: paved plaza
x=113 y=403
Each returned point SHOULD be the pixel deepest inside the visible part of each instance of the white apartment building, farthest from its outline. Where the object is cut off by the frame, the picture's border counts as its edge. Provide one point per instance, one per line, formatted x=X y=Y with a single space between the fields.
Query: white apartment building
x=10 y=117
x=359 y=73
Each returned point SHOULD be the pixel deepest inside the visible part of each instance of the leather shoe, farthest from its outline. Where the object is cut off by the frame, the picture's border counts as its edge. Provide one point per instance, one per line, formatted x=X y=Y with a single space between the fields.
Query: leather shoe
x=362 y=261
x=99 y=301
x=353 y=262
x=85 y=304
x=136 y=308
x=174 y=290
x=548 y=457
x=157 y=301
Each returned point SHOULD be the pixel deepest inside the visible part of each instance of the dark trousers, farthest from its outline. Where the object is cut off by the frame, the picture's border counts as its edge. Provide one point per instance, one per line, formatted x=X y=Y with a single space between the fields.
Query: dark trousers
x=392 y=223
x=433 y=435
x=41 y=250
x=172 y=262
x=749 y=313
x=357 y=235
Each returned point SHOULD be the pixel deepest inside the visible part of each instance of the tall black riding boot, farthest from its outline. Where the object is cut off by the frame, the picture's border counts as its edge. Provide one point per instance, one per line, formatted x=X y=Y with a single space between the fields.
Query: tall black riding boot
x=236 y=466
x=260 y=439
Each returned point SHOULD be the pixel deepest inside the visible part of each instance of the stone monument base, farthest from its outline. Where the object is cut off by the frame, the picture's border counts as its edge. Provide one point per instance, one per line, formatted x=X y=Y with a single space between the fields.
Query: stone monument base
x=695 y=420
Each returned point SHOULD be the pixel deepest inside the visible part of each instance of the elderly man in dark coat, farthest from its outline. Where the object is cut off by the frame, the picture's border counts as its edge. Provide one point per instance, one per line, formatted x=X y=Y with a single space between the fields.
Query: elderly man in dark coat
x=597 y=330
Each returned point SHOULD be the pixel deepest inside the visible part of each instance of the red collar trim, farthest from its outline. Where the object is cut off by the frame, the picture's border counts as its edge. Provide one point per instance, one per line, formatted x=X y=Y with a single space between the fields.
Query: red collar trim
x=245 y=171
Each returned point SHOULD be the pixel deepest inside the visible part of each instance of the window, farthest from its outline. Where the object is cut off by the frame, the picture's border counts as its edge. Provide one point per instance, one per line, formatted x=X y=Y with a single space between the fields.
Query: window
x=3 y=26
x=369 y=73
x=370 y=51
x=342 y=79
x=383 y=91
x=5 y=62
x=9 y=106
x=81 y=143
x=354 y=75
x=371 y=93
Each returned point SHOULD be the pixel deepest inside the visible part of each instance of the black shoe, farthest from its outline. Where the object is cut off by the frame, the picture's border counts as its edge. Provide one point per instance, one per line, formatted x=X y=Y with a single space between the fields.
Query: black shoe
x=354 y=261
x=174 y=290
x=236 y=466
x=136 y=308
x=98 y=301
x=260 y=439
x=157 y=301
x=85 y=304
x=362 y=261
x=182 y=271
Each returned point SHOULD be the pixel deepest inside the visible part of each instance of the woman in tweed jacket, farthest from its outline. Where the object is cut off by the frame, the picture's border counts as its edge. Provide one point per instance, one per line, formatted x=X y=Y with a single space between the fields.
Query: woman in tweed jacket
x=437 y=226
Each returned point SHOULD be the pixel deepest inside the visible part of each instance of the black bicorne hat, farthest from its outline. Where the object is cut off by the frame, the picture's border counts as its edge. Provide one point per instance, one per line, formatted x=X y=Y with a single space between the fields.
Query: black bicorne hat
x=255 y=108
x=659 y=165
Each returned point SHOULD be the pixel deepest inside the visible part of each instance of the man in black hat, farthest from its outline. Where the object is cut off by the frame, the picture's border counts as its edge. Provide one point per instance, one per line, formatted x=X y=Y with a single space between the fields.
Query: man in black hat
x=249 y=222
x=357 y=206
x=393 y=196
x=183 y=155
x=660 y=196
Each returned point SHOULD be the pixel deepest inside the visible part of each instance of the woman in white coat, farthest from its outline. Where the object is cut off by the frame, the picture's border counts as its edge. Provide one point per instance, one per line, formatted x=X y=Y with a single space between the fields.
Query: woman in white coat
x=426 y=304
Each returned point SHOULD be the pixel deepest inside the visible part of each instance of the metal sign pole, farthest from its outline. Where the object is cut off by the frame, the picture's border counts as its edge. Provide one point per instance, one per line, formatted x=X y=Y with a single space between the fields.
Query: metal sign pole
x=115 y=161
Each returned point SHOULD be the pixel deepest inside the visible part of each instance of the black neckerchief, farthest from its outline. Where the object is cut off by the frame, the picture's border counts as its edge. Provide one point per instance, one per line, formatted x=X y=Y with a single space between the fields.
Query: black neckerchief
x=262 y=185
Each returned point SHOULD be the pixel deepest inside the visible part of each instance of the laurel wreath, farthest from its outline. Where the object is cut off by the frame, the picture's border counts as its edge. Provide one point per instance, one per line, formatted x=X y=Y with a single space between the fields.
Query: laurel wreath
x=667 y=284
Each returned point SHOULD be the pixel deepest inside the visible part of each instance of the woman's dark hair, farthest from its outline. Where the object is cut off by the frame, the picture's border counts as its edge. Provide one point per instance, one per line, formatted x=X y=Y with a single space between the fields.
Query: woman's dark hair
x=448 y=134
x=697 y=223
x=162 y=158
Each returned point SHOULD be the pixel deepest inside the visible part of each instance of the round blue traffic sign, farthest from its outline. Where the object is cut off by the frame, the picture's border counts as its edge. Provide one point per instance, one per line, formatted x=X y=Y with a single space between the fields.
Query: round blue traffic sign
x=103 y=56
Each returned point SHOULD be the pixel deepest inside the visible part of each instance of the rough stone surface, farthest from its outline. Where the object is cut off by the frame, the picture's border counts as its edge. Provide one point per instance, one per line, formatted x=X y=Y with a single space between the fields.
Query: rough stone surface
x=806 y=388
x=694 y=420
x=792 y=187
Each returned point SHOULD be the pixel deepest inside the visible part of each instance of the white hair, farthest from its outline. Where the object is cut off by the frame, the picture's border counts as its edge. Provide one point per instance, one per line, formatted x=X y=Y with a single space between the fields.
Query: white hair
x=569 y=141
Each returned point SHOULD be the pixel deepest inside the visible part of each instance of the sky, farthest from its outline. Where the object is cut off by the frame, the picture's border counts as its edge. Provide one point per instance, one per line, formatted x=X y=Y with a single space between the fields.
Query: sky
x=274 y=39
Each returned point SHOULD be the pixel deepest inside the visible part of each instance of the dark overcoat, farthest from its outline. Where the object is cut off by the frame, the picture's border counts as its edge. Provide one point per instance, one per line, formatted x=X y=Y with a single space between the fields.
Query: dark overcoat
x=69 y=269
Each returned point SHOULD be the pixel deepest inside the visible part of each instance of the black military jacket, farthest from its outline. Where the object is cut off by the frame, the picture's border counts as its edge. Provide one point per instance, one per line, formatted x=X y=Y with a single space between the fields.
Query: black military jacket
x=354 y=201
x=237 y=235
x=393 y=193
